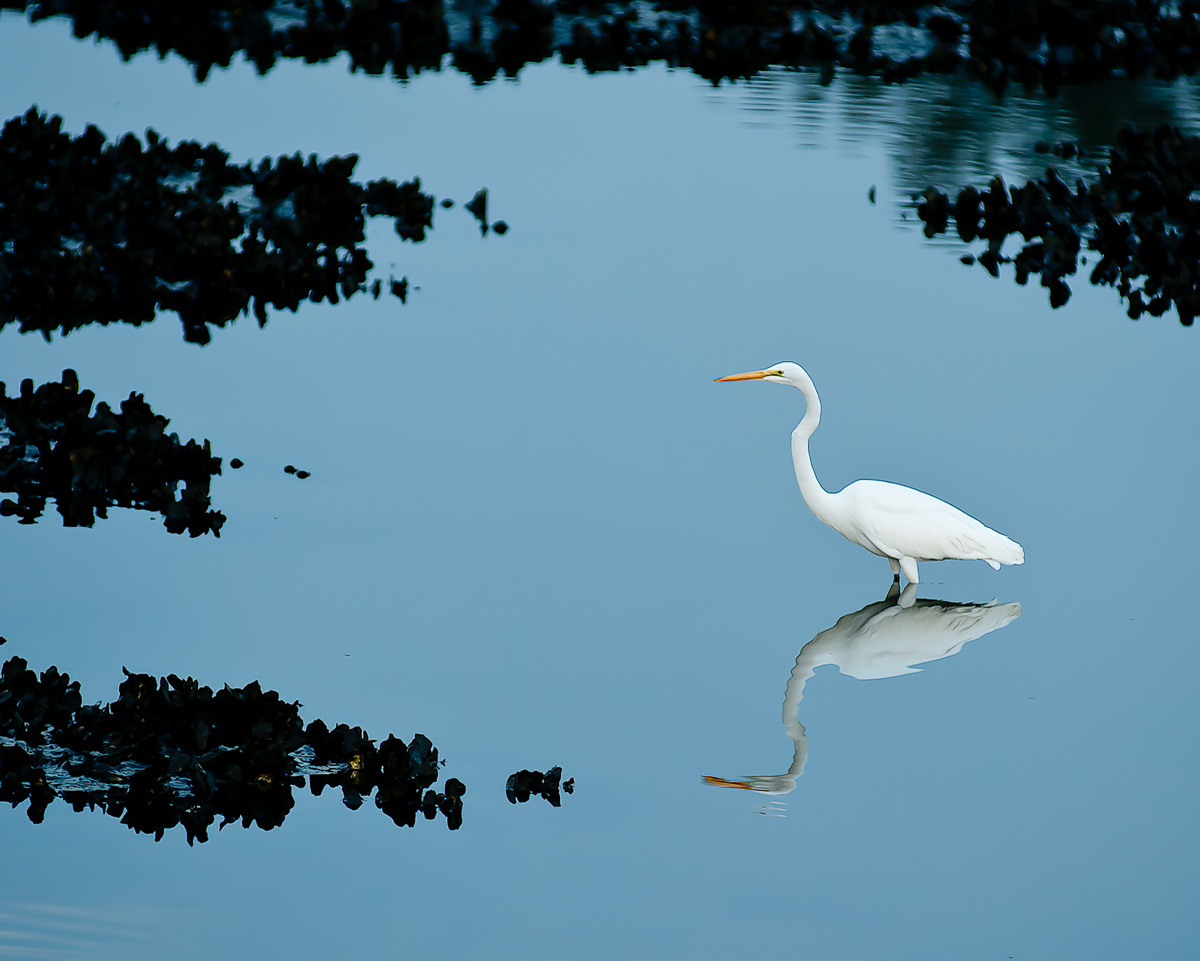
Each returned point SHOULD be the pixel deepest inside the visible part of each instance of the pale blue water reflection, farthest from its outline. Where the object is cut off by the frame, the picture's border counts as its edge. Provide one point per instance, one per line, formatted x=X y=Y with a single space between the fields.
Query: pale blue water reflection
x=552 y=540
x=885 y=639
x=949 y=131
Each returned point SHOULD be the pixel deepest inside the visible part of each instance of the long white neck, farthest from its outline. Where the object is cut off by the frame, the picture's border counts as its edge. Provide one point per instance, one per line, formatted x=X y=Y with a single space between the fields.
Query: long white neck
x=815 y=496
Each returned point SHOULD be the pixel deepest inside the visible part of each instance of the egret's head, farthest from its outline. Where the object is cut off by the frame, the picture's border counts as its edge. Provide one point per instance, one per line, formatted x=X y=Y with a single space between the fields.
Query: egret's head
x=782 y=373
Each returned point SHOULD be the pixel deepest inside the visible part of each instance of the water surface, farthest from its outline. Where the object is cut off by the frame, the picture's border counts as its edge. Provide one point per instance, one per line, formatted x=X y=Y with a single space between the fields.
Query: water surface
x=537 y=532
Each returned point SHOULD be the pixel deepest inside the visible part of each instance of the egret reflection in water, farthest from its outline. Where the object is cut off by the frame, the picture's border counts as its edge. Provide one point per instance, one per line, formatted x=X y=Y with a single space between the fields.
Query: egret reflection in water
x=884 y=639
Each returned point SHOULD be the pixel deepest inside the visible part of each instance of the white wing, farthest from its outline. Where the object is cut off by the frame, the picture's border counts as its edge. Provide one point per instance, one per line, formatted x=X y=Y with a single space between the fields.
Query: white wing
x=899 y=521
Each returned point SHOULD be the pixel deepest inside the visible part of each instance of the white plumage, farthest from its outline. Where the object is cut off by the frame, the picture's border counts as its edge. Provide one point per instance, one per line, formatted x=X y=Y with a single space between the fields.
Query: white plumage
x=885 y=639
x=896 y=522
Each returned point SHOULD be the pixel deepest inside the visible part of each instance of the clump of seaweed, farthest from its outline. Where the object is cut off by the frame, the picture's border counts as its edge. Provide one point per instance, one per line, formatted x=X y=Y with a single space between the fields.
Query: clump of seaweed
x=56 y=446
x=97 y=232
x=1140 y=216
x=998 y=42
x=170 y=752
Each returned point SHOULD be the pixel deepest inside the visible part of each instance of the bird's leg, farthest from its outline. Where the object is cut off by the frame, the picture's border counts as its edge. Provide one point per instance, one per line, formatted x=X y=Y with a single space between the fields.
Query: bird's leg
x=895 y=569
x=909 y=566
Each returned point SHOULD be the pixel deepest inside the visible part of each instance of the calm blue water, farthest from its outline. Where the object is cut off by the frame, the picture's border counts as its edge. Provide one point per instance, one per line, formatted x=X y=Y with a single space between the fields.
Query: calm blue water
x=537 y=532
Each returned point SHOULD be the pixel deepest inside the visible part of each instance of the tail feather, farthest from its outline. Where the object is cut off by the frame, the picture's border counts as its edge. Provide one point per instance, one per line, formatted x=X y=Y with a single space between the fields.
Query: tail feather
x=1004 y=550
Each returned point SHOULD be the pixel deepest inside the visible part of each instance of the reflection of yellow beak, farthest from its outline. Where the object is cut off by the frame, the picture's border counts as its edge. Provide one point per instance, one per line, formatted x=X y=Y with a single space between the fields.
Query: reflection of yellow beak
x=749 y=375
x=722 y=782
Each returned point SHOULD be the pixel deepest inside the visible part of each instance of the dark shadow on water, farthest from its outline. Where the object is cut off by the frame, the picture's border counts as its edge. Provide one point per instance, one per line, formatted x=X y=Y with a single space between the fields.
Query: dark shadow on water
x=170 y=753
x=884 y=639
x=1138 y=217
x=998 y=44
x=93 y=231
x=54 y=445
x=1097 y=192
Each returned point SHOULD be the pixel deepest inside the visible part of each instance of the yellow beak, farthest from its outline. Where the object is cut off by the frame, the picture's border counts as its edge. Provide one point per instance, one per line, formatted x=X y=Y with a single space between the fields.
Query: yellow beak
x=725 y=782
x=749 y=375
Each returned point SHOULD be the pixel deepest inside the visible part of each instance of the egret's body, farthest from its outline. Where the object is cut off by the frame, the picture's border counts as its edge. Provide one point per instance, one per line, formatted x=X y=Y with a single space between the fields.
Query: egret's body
x=896 y=522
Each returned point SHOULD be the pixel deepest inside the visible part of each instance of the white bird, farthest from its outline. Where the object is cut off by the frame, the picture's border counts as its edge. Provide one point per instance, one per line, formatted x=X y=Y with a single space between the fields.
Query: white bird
x=896 y=522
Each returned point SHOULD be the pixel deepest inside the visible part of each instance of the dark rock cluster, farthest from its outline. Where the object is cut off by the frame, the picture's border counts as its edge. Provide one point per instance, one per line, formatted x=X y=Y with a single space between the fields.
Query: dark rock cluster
x=1000 y=42
x=1140 y=217
x=525 y=784
x=401 y=774
x=171 y=752
x=1050 y=43
x=55 y=446
x=98 y=232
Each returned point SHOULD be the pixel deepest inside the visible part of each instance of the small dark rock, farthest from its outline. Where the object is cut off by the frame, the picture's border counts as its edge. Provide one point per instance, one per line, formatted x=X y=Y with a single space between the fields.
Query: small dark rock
x=945 y=28
x=524 y=784
x=477 y=208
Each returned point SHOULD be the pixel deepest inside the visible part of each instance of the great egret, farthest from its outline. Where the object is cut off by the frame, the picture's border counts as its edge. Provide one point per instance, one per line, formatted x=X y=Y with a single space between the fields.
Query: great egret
x=885 y=639
x=896 y=522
